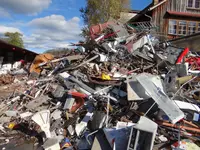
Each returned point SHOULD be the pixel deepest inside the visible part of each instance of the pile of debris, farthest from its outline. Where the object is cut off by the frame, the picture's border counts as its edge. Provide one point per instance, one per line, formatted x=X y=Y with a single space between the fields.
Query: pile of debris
x=123 y=91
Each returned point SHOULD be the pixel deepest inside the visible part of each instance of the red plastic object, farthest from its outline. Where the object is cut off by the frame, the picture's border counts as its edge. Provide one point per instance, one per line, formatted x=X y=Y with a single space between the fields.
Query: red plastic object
x=77 y=94
x=79 y=100
x=22 y=61
x=97 y=29
x=109 y=35
x=193 y=60
x=78 y=103
x=182 y=55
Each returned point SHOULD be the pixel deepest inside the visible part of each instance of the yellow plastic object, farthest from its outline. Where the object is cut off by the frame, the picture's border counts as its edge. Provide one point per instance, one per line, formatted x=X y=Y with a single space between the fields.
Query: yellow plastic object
x=182 y=80
x=110 y=108
x=67 y=116
x=11 y=125
x=105 y=76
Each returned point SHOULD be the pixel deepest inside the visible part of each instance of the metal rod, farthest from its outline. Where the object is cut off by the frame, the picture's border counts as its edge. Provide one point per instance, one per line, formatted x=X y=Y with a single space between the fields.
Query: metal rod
x=107 y=115
x=183 y=86
x=87 y=61
x=90 y=135
x=26 y=95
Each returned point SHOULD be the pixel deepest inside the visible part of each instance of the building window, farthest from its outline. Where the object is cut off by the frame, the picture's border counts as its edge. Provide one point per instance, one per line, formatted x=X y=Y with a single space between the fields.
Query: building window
x=191 y=27
x=197 y=4
x=182 y=27
x=190 y=3
x=193 y=4
x=172 y=27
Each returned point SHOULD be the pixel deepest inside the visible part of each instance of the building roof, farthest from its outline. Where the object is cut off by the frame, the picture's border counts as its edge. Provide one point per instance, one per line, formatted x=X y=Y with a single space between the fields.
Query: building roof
x=148 y=10
x=141 y=13
x=16 y=48
x=127 y=15
x=183 y=14
x=134 y=11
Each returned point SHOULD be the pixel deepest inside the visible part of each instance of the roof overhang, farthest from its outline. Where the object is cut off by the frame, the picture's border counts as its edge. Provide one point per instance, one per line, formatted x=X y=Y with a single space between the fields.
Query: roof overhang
x=183 y=14
x=16 y=48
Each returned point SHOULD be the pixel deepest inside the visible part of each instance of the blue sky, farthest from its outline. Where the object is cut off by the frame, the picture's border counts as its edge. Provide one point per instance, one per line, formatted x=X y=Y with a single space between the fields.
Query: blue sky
x=46 y=24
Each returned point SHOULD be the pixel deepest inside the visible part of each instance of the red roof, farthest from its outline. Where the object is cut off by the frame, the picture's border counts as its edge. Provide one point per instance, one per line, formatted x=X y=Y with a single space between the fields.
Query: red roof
x=183 y=14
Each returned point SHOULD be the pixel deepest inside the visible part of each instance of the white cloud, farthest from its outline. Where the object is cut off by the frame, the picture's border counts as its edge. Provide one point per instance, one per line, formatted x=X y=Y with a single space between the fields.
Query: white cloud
x=58 y=23
x=4 y=29
x=53 y=31
x=4 y=13
x=47 y=33
x=61 y=45
x=30 y=7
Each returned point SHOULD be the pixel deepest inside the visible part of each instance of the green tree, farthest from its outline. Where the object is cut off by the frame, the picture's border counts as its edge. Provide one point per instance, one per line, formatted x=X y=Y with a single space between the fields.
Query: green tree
x=99 y=11
x=15 y=39
x=85 y=32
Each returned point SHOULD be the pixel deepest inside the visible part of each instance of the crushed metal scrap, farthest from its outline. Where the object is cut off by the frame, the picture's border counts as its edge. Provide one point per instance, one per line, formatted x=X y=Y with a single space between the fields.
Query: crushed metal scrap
x=125 y=91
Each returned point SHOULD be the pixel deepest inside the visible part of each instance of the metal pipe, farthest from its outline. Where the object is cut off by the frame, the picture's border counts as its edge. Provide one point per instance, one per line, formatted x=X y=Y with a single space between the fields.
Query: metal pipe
x=155 y=6
x=107 y=114
x=87 y=61
x=148 y=17
x=150 y=43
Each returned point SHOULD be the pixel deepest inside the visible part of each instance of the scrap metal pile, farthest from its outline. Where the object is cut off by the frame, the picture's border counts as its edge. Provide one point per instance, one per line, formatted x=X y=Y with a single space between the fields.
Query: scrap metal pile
x=122 y=91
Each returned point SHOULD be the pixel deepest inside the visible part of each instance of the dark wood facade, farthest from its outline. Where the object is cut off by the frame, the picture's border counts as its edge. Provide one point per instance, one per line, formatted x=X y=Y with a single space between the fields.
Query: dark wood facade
x=174 y=18
x=11 y=53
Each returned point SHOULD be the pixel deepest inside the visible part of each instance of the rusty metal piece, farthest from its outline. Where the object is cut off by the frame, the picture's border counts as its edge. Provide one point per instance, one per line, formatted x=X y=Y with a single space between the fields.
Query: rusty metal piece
x=192 y=129
x=190 y=123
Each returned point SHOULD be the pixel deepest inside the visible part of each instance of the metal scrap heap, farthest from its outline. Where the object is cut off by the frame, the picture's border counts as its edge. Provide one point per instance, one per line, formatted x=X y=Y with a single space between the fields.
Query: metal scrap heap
x=121 y=90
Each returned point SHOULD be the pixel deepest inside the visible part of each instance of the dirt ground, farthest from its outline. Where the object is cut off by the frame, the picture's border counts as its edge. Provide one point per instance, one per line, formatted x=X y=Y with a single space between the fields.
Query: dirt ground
x=7 y=90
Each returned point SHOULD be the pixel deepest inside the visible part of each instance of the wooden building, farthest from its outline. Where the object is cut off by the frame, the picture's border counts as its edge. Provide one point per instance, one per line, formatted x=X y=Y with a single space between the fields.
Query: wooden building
x=10 y=53
x=173 y=18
